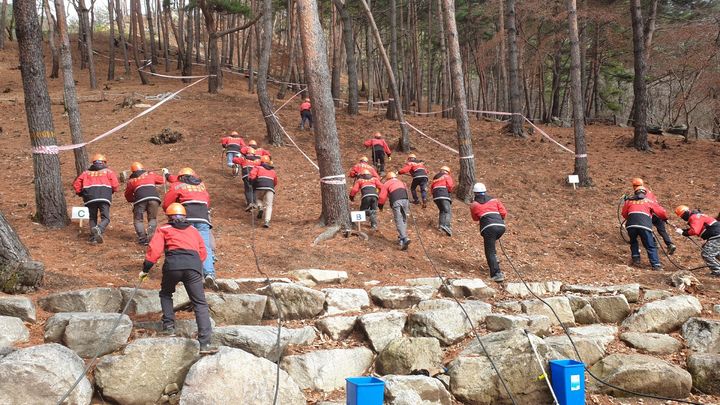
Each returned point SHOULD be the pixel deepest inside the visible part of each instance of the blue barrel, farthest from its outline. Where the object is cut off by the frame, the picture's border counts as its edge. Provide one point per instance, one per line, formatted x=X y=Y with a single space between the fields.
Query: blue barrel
x=364 y=391
x=568 y=381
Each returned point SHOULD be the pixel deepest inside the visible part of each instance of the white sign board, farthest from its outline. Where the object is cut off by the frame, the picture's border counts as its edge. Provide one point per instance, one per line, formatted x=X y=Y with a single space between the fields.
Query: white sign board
x=357 y=216
x=80 y=213
x=574 y=179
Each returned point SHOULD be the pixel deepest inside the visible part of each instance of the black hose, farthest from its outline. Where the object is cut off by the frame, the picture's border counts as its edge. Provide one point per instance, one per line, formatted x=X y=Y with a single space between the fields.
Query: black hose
x=621 y=221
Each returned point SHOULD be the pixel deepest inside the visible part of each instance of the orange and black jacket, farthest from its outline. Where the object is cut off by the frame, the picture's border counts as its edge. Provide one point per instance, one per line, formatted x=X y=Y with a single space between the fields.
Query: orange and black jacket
x=489 y=211
x=247 y=162
x=263 y=177
x=96 y=184
x=415 y=168
x=638 y=212
x=441 y=186
x=395 y=189
x=183 y=246
x=232 y=144
x=141 y=187
x=703 y=226
x=258 y=151
x=378 y=145
x=367 y=185
x=359 y=167
x=191 y=192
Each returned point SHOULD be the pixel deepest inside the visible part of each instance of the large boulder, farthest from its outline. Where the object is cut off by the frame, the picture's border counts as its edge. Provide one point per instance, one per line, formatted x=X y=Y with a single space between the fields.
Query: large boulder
x=140 y=373
x=705 y=371
x=17 y=306
x=183 y=327
x=640 y=373
x=702 y=335
x=590 y=348
x=537 y=324
x=148 y=301
x=234 y=376
x=403 y=355
x=42 y=375
x=12 y=330
x=88 y=333
x=653 y=343
x=603 y=333
x=468 y=288
x=91 y=300
x=561 y=305
x=340 y=300
x=326 y=370
x=262 y=340
x=630 y=291
x=582 y=310
x=474 y=381
x=312 y=277
x=382 y=327
x=295 y=301
x=337 y=327
x=398 y=297
x=237 y=309
x=539 y=288
x=434 y=282
x=610 y=309
x=415 y=390
x=663 y=316
x=444 y=320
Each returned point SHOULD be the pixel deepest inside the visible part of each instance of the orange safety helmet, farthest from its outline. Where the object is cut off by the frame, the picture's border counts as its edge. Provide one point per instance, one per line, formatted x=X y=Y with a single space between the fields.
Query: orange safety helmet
x=175 y=209
x=411 y=156
x=637 y=182
x=364 y=159
x=186 y=171
x=445 y=169
x=252 y=142
x=265 y=159
x=390 y=175
x=681 y=209
x=365 y=172
x=98 y=157
x=377 y=135
x=135 y=166
x=250 y=151
x=234 y=133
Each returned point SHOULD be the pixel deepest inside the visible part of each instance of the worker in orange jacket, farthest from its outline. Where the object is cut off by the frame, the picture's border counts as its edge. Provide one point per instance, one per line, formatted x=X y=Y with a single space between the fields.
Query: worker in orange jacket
x=380 y=148
x=396 y=191
x=96 y=185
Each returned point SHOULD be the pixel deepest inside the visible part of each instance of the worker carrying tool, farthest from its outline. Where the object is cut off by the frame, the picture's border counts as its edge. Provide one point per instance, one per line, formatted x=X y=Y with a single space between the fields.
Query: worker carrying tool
x=441 y=187
x=416 y=168
x=247 y=161
x=706 y=227
x=368 y=186
x=232 y=144
x=380 y=148
x=190 y=191
x=656 y=221
x=361 y=165
x=96 y=185
x=184 y=253
x=490 y=213
x=263 y=179
x=306 y=114
x=395 y=190
x=142 y=192
x=638 y=212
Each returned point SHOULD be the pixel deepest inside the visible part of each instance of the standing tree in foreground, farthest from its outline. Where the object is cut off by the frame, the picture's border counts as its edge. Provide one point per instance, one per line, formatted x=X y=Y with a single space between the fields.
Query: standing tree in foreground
x=640 y=137
x=349 y=40
x=467 y=161
x=18 y=272
x=274 y=132
x=3 y=13
x=334 y=193
x=581 y=158
x=516 y=120
x=49 y=197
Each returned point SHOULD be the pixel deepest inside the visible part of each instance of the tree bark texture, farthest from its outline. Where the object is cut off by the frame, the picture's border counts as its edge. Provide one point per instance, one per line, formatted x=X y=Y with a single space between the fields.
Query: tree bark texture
x=516 y=121
x=134 y=34
x=49 y=198
x=18 y=273
x=349 y=40
x=581 y=158
x=274 y=132
x=391 y=112
x=640 y=137
x=335 y=202
x=52 y=39
x=3 y=13
x=111 y=44
x=121 y=34
x=87 y=43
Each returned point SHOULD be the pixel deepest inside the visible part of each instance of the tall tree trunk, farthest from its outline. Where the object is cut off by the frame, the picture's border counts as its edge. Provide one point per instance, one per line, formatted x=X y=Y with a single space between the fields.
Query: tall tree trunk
x=417 y=64
x=111 y=45
x=404 y=141
x=87 y=43
x=141 y=31
x=187 y=69
x=349 y=40
x=52 y=38
x=134 y=34
x=581 y=158
x=336 y=70
x=370 y=66
x=649 y=29
x=18 y=273
x=394 y=104
x=166 y=36
x=51 y=209
x=291 y=56
x=121 y=33
x=516 y=121
x=151 y=28
x=335 y=203
x=445 y=77
x=274 y=132
x=198 y=30
x=640 y=138
x=501 y=86
x=3 y=14
x=429 y=55
x=251 y=76
x=467 y=160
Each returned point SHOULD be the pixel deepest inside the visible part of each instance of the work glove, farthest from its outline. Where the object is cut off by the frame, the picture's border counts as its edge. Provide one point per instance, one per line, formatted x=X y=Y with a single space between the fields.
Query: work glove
x=143 y=275
x=679 y=231
x=165 y=171
x=389 y=158
x=352 y=198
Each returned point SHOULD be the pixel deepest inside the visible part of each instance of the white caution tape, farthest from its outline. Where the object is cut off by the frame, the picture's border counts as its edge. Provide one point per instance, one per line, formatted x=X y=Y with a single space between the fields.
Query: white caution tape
x=431 y=138
x=329 y=179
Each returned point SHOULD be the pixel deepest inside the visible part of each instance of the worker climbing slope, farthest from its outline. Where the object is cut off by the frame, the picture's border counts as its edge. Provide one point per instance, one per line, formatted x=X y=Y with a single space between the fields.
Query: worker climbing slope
x=368 y=186
x=490 y=213
x=380 y=149
x=638 y=212
x=416 y=168
x=142 y=192
x=441 y=187
x=396 y=191
x=656 y=221
x=96 y=185
x=232 y=144
x=706 y=227
x=360 y=166
x=263 y=179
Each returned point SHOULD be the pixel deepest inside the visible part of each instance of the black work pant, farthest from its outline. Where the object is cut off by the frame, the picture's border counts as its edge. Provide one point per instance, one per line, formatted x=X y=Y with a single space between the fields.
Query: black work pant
x=193 y=281
x=445 y=208
x=379 y=160
x=662 y=230
x=103 y=208
x=490 y=236
x=305 y=115
x=247 y=188
x=422 y=183
x=149 y=207
x=370 y=206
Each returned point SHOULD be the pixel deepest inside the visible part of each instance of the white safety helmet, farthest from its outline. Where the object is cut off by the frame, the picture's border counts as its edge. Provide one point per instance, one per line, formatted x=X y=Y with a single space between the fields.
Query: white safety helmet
x=479 y=188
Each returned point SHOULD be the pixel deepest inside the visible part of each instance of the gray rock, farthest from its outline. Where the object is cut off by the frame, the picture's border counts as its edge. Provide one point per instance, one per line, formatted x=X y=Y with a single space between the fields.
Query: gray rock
x=577 y=302
x=444 y=320
x=90 y=300
x=326 y=370
x=702 y=335
x=610 y=309
x=705 y=371
x=320 y=276
x=144 y=302
x=397 y=297
x=237 y=309
x=296 y=301
x=511 y=306
x=591 y=349
x=468 y=288
x=428 y=281
x=223 y=379
x=17 y=306
x=630 y=291
x=663 y=316
x=12 y=330
x=473 y=380
x=653 y=343
x=716 y=309
x=228 y=285
x=605 y=333
x=340 y=300
x=586 y=315
x=539 y=288
x=337 y=327
x=42 y=375
x=640 y=373
x=253 y=283
x=561 y=305
x=183 y=327
x=415 y=390
x=85 y=332
x=537 y=324
x=143 y=370
x=261 y=340
x=405 y=354
x=382 y=327
x=651 y=295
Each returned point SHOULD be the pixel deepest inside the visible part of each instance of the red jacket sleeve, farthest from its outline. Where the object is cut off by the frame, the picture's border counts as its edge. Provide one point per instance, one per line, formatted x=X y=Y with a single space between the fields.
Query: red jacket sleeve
x=224 y=141
x=378 y=183
x=238 y=160
x=405 y=169
x=353 y=172
x=253 y=173
x=368 y=143
x=473 y=213
x=450 y=183
x=275 y=179
x=158 y=179
x=696 y=224
x=386 y=148
x=501 y=209
x=625 y=209
x=78 y=183
x=114 y=183
x=355 y=189
x=129 y=192
x=156 y=246
x=170 y=197
x=659 y=211
x=383 y=194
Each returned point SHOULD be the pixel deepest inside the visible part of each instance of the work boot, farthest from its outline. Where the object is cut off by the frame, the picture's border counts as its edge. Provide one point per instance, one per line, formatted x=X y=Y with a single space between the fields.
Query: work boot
x=635 y=261
x=499 y=277
x=416 y=202
x=657 y=267
x=143 y=241
x=259 y=214
x=715 y=273
x=404 y=243
x=92 y=240
x=266 y=224
x=249 y=207
x=671 y=248
x=97 y=234
x=424 y=204
x=446 y=229
x=207 y=348
x=167 y=332
x=210 y=282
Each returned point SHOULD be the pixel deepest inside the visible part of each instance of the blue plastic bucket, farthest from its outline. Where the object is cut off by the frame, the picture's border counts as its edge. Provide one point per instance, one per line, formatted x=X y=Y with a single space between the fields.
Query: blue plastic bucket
x=364 y=391
x=568 y=381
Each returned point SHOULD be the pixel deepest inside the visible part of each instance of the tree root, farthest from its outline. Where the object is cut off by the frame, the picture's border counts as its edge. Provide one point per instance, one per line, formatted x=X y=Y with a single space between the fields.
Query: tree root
x=328 y=234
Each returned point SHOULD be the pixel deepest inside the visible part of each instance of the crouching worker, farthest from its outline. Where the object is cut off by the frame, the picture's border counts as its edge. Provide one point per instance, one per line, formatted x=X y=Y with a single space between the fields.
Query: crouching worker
x=184 y=253
x=490 y=213
x=706 y=227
